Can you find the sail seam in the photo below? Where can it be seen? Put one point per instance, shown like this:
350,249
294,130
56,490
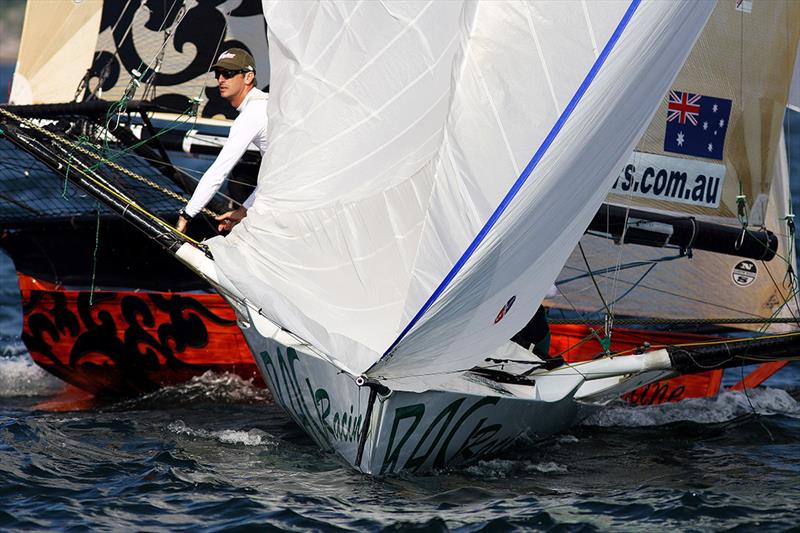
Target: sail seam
589,26
538,155
346,90
540,52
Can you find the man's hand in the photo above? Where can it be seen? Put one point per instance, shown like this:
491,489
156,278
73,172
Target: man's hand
181,224
231,218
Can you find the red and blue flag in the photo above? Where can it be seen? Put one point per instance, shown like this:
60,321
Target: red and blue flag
696,124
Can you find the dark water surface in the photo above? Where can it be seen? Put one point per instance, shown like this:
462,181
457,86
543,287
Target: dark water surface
216,455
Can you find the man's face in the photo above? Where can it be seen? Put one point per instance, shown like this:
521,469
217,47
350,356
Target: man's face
231,83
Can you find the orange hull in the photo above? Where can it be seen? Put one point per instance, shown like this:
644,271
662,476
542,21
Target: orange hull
130,342
126,343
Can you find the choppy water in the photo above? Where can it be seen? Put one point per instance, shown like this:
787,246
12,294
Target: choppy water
215,454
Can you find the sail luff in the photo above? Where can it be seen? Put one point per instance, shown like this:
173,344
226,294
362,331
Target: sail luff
523,177
516,264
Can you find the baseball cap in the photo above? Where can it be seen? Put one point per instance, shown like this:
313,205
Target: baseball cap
235,59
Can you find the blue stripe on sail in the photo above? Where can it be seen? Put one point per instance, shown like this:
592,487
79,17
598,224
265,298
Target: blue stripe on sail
525,173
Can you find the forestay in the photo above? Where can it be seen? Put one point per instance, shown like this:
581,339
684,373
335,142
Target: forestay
396,131
713,143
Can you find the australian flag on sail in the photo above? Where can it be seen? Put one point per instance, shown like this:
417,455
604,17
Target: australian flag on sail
696,124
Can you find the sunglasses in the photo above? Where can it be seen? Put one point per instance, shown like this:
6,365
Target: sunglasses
227,74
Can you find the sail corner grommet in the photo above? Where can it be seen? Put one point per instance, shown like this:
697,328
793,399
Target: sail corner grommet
364,381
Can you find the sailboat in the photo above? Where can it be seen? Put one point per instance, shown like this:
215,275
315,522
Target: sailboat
105,308
432,166
380,309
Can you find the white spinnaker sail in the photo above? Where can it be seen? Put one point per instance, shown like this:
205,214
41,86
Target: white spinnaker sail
55,50
744,58
397,129
500,287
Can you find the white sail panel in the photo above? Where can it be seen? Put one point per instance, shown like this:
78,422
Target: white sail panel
367,86
524,63
390,120
359,97
502,284
56,48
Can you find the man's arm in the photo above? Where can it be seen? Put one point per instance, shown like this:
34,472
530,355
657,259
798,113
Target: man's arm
244,130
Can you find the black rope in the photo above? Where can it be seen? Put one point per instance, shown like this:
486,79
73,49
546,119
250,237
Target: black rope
591,275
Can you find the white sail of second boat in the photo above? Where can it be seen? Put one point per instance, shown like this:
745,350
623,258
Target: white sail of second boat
712,152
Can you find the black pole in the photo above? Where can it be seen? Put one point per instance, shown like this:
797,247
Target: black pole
90,108
634,226
694,359
161,233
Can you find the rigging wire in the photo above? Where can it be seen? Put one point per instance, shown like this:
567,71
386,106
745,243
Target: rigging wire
778,288
101,159
159,56
631,288
187,171
94,255
84,83
594,281
120,106
692,299
626,266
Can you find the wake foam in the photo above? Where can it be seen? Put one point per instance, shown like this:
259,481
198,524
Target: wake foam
11,347
502,468
20,376
208,387
252,437
220,387
722,408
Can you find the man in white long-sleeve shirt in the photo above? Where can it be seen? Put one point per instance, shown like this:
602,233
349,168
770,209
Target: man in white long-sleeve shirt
235,73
